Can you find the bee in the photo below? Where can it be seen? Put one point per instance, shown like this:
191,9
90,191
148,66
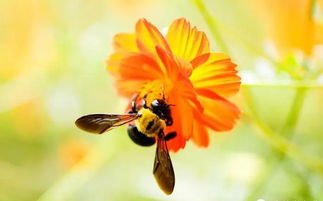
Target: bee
146,126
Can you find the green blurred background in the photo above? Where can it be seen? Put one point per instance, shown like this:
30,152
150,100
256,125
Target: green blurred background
52,71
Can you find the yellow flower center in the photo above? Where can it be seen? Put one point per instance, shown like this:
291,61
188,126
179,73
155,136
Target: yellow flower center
156,89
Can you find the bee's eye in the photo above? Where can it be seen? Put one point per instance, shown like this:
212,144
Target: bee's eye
155,104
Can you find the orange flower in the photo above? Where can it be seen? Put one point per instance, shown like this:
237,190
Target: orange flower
291,23
181,67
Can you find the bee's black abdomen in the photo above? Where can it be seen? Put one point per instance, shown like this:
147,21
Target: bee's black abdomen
138,137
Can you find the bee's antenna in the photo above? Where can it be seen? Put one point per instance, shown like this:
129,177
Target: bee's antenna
163,91
133,103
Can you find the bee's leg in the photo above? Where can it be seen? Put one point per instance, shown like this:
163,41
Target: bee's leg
170,136
138,137
133,104
144,101
169,121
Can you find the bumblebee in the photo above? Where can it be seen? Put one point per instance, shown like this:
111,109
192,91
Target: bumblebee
139,133
146,126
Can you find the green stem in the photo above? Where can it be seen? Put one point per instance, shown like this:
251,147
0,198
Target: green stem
287,131
311,10
293,116
212,24
279,142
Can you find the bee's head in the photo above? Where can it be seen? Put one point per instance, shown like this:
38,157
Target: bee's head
162,109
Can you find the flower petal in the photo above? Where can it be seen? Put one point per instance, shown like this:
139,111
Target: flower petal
200,134
176,143
175,67
183,114
133,66
184,100
219,114
128,88
168,62
217,74
125,42
182,126
132,71
148,37
186,42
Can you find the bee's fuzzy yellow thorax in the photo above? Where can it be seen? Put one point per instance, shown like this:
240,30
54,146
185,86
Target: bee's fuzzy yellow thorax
149,123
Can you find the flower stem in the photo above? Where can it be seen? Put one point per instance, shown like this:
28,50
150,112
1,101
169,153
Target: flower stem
212,24
293,115
279,142
311,10
288,131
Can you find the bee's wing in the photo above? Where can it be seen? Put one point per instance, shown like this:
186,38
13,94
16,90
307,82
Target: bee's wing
163,168
99,123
